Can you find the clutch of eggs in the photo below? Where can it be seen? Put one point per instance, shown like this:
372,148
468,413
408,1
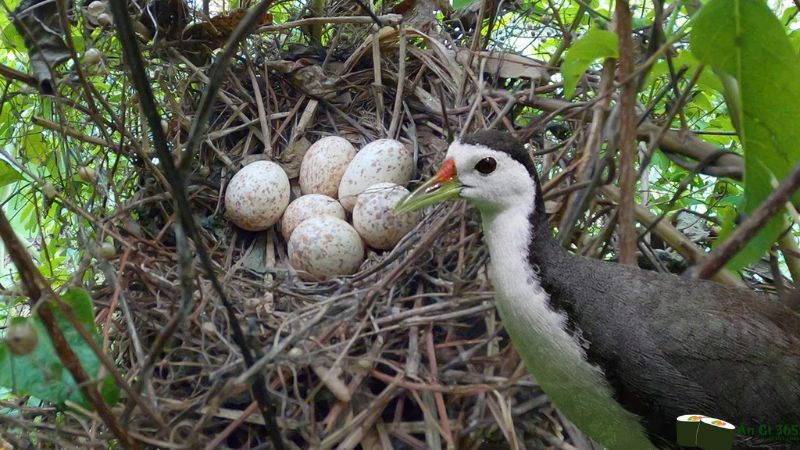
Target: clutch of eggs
334,180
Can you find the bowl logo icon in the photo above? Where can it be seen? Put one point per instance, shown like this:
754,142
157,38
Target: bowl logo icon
708,433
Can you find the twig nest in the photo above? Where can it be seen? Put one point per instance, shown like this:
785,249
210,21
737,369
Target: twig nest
325,247
324,165
375,219
257,196
384,160
308,206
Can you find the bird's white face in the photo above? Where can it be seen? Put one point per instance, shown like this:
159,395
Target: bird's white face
491,180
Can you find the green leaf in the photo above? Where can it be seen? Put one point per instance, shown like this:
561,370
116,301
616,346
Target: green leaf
788,14
794,38
34,146
661,161
749,50
40,372
458,4
595,44
78,43
707,80
12,38
639,23
731,200
8,174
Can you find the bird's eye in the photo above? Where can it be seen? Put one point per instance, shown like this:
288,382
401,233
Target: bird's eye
486,165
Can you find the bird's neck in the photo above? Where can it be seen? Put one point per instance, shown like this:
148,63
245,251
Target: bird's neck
520,293
521,241
539,331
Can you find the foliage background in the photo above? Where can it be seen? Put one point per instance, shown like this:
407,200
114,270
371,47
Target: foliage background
85,188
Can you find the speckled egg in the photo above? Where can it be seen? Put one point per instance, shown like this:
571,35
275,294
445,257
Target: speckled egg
325,247
375,219
257,196
324,164
306,207
384,160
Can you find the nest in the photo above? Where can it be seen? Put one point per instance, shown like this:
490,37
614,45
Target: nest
408,350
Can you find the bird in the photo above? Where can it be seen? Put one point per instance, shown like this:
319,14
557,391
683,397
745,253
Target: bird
620,351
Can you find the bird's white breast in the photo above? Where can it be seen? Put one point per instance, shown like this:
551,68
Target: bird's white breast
555,357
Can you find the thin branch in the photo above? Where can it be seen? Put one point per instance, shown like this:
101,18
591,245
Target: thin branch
627,136
384,20
555,59
368,10
14,74
71,132
789,247
397,114
590,160
176,180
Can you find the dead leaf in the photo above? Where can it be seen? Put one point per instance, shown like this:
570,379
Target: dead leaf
202,38
292,156
312,80
164,19
506,65
37,21
552,207
428,140
214,32
427,99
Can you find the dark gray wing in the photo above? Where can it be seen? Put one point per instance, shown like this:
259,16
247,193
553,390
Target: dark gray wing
672,346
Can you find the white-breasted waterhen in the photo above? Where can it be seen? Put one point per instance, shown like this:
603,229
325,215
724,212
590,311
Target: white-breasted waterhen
621,351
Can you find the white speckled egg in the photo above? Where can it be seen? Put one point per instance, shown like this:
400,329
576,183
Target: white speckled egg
384,160
306,207
324,247
375,219
324,164
257,196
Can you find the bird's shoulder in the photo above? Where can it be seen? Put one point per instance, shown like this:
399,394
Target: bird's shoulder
674,305
678,342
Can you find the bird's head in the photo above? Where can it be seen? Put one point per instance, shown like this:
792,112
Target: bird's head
490,169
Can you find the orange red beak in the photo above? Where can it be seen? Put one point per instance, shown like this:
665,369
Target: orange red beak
443,186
